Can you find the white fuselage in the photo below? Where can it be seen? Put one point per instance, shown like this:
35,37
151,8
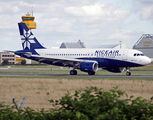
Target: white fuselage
127,55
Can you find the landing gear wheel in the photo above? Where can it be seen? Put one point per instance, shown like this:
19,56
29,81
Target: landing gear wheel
91,73
73,72
128,73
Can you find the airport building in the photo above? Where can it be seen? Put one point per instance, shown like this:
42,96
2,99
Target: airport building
29,21
145,45
6,55
11,57
114,46
79,44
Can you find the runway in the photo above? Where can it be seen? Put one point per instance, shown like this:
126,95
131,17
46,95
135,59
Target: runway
66,75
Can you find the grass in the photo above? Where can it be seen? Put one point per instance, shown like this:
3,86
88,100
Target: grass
38,90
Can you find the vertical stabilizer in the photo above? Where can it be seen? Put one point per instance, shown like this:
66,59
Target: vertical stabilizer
29,42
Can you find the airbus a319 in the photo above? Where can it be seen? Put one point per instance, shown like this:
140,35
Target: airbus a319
86,60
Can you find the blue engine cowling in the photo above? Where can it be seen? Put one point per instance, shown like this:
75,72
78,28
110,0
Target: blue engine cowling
115,69
89,66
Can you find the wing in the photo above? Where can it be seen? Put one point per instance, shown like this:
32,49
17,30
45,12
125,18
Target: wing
64,61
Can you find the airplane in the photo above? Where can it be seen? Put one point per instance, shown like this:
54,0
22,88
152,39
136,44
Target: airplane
86,60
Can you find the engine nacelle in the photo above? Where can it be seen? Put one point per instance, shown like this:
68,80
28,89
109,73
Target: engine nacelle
89,66
115,69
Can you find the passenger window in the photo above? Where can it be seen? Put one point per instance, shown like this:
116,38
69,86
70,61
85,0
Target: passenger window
138,54
135,54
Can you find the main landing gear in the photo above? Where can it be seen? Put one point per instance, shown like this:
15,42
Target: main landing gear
91,73
128,73
73,72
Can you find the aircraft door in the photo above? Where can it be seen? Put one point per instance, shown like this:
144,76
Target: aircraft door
124,56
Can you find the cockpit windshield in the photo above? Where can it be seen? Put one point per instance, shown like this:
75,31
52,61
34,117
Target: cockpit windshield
138,54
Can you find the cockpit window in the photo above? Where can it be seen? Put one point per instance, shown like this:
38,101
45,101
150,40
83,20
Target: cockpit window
138,54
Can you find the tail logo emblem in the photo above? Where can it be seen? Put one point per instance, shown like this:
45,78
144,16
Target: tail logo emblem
27,38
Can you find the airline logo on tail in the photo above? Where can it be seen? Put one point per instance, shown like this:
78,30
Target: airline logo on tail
29,42
27,38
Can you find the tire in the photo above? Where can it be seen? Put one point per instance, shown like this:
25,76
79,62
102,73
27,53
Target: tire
128,73
91,73
73,72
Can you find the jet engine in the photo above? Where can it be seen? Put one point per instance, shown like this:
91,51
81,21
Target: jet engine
115,69
89,66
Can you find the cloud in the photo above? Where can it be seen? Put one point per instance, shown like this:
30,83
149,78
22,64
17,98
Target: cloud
71,20
99,11
148,2
8,7
144,8
123,34
147,13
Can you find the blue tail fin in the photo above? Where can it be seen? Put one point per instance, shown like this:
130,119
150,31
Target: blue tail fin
29,42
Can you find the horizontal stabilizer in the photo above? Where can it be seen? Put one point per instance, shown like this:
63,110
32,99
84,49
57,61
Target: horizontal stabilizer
28,54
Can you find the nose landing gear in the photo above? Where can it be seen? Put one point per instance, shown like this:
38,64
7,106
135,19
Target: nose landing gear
128,73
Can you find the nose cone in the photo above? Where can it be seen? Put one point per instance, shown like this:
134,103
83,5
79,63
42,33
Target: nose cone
146,61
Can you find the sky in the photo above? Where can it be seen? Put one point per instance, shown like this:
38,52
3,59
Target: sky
94,22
